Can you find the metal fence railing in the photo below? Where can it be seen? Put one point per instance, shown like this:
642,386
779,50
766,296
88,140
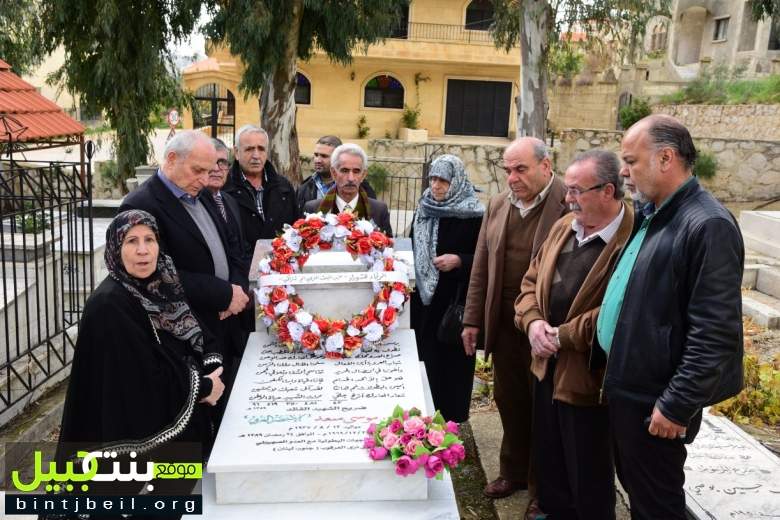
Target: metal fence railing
47,274
441,32
399,184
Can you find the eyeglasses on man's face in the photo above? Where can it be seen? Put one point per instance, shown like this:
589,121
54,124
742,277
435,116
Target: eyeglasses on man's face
576,191
223,164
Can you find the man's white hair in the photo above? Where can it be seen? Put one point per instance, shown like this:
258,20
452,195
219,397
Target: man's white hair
183,142
249,129
348,148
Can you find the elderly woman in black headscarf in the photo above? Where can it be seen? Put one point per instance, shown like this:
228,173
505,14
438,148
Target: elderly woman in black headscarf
444,236
144,370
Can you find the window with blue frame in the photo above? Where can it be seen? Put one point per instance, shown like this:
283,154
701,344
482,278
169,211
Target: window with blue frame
302,90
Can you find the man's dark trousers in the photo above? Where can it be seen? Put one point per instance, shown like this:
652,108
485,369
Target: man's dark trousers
650,468
575,475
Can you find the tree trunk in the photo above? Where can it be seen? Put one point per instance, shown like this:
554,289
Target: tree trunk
532,103
277,104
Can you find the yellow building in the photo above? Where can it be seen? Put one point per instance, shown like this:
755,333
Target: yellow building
441,58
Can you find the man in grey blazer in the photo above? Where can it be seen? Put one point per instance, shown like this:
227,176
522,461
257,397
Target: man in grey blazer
348,167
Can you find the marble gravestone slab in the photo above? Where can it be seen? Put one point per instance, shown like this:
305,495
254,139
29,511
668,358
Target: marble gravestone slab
730,475
294,425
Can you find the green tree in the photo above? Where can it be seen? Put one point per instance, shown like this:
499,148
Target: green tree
20,27
116,57
762,8
270,36
536,26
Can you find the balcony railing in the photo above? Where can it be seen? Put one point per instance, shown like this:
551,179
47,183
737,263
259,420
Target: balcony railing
441,32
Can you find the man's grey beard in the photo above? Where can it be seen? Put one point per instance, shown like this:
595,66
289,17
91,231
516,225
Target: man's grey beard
638,196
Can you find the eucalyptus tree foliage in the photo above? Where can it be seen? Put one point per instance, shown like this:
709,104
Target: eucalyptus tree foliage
20,27
536,27
764,8
117,59
270,36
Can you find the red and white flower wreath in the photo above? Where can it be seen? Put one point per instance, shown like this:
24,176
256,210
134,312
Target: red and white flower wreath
282,308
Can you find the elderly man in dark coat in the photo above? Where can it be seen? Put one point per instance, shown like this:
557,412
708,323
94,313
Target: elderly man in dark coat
194,234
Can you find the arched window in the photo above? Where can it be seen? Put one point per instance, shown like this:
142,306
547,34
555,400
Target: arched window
302,90
479,15
384,92
658,42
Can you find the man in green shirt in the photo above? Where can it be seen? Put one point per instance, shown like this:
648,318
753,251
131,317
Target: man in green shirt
671,319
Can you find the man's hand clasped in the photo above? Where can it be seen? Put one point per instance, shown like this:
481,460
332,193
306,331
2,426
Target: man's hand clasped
543,338
238,303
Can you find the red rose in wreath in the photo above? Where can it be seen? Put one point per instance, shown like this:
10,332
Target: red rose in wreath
310,340
352,342
278,294
388,316
364,246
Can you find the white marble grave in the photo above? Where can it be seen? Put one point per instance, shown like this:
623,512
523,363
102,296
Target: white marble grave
294,426
730,475
440,504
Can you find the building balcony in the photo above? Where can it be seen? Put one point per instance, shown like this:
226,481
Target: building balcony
441,32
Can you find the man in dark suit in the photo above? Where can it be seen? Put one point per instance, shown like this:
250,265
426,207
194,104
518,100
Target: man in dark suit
266,200
193,233
348,168
227,204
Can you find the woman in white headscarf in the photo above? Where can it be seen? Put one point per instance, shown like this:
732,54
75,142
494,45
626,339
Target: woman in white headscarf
444,235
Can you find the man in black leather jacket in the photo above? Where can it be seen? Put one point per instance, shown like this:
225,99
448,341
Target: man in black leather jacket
671,319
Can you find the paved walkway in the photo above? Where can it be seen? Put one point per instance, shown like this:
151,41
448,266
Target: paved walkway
486,427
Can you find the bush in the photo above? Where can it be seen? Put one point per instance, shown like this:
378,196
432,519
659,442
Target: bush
706,165
32,222
410,117
723,86
362,128
565,61
759,401
109,172
378,177
630,114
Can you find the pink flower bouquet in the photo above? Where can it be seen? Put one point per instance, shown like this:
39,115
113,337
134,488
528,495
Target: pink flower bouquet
413,442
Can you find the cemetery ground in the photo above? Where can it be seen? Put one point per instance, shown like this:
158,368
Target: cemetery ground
482,433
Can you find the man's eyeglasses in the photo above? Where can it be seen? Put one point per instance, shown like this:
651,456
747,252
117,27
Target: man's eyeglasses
576,192
223,163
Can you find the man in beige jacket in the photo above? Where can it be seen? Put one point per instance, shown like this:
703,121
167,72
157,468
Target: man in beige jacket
557,307
514,226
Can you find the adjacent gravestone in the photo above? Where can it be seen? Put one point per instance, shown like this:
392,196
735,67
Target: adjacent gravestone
730,475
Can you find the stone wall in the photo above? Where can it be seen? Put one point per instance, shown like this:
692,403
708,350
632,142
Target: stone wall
481,161
583,106
747,170
103,188
756,122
